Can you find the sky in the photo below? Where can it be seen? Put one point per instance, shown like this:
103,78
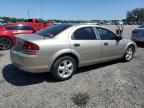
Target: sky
69,9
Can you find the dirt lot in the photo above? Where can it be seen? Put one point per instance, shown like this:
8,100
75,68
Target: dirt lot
109,85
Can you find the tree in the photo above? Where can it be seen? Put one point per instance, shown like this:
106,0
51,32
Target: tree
136,15
9,19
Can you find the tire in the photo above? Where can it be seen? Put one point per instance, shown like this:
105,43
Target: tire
63,68
129,53
5,43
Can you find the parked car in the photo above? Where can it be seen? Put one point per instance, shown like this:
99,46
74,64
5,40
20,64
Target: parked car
138,34
2,22
8,32
60,49
37,23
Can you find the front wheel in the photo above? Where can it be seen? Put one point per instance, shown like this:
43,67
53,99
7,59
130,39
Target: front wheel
128,56
5,43
64,68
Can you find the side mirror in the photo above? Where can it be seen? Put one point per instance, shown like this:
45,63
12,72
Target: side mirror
119,32
34,31
118,38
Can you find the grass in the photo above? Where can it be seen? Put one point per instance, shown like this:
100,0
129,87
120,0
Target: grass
80,99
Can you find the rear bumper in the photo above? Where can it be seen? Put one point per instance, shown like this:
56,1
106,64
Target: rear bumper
29,63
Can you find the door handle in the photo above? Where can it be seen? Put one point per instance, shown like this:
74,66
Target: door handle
106,44
76,45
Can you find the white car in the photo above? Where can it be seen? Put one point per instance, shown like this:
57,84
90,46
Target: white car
60,49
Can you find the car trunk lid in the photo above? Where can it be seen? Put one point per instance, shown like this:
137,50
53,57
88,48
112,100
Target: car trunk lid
21,39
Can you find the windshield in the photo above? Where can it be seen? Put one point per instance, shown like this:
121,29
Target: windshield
53,30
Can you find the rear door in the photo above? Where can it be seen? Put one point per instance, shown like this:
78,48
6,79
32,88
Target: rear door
85,43
111,48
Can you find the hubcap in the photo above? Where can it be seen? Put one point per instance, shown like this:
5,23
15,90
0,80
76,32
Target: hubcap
5,43
65,68
129,53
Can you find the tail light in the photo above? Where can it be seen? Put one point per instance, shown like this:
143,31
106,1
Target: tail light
30,48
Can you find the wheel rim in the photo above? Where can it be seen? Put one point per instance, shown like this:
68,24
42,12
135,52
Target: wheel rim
65,68
5,43
129,53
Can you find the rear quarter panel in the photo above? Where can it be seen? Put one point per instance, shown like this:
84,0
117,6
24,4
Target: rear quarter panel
50,49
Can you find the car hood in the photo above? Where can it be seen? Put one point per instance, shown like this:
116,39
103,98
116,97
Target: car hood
138,30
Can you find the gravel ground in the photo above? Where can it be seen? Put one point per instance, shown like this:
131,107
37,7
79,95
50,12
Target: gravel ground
110,85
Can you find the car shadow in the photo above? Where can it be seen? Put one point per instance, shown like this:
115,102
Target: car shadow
17,77
96,66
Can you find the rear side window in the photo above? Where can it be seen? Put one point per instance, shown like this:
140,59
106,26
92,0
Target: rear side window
11,28
85,33
106,34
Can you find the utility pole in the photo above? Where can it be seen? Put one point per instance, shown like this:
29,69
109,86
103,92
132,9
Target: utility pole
42,16
28,13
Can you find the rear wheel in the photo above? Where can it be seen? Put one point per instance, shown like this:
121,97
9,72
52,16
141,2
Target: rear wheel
64,68
5,43
129,54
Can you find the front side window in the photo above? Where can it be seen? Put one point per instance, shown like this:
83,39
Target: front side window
53,30
26,28
85,33
106,34
11,28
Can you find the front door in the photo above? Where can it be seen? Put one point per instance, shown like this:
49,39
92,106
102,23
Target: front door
85,43
111,47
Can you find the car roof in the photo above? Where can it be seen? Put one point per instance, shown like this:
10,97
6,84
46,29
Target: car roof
85,25
88,25
17,24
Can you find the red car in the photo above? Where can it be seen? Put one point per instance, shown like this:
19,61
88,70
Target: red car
38,23
8,32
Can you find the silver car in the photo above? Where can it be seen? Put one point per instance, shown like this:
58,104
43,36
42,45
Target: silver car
60,49
138,34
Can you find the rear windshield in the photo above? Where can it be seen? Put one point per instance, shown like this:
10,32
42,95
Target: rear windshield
142,26
53,30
